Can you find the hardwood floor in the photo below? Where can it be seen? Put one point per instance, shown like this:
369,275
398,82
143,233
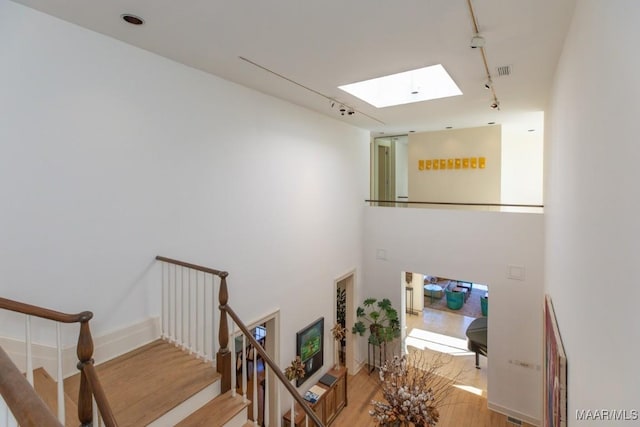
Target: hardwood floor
433,331
462,408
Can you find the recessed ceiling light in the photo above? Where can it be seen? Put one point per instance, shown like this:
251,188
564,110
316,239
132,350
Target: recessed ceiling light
491,123
422,84
411,131
532,130
449,127
132,19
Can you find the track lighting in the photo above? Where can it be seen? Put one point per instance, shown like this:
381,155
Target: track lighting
477,41
488,84
495,105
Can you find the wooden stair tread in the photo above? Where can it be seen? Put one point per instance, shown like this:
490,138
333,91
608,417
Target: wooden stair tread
217,412
146,383
47,389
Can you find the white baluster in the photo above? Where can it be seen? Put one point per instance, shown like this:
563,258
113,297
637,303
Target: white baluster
27,332
234,369
292,422
265,397
244,368
197,318
163,308
255,385
61,415
190,340
180,312
175,304
205,326
94,415
278,400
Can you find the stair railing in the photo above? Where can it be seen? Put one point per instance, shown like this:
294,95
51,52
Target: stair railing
90,387
188,320
187,315
20,404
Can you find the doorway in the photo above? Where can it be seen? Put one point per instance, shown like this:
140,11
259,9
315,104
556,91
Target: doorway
344,298
432,327
261,387
389,168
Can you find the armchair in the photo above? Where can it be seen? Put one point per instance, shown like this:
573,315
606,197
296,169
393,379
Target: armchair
455,300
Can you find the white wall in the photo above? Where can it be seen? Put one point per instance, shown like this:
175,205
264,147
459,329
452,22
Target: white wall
457,185
110,155
522,162
480,246
592,205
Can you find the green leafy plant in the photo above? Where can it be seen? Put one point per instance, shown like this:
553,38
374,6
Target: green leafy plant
384,324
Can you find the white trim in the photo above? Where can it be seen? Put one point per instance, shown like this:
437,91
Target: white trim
106,347
189,406
515,414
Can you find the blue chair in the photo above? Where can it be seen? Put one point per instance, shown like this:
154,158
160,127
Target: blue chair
484,305
455,300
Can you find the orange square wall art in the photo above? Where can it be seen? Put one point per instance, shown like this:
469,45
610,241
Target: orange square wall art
449,163
481,162
436,164
465,163
427,164
458,163
443,163
421,165
474,162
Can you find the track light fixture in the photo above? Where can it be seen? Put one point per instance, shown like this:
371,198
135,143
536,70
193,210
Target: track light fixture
495,105
488,84
477,41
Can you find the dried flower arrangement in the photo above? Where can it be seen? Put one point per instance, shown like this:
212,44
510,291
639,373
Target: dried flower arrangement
295,371
338,332
413,387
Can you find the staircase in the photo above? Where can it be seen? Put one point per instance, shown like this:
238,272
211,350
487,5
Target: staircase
156,385
184,378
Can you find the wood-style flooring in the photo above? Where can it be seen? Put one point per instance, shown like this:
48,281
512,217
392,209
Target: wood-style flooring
433,332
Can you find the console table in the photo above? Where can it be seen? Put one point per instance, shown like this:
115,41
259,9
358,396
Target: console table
328,405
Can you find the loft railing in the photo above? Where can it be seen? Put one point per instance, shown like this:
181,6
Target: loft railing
402,203
181,309
90,387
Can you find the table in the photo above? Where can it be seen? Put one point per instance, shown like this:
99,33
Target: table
477,338
433,291
409,300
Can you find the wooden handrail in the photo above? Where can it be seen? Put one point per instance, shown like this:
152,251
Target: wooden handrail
32,310
88,385
98,393
192,266
25,404
276,370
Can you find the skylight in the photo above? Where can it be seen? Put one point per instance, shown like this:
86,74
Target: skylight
422,84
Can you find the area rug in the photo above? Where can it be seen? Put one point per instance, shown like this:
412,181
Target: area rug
470,308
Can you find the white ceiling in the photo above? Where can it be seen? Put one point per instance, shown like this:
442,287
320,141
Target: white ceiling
324,44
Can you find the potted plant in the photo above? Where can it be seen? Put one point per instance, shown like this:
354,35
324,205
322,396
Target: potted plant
382,318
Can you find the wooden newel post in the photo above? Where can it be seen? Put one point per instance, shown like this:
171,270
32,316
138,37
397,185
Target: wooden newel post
223,358
85,354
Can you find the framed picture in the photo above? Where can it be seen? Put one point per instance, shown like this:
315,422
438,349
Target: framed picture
474,162
427,164
436,164
421,165
555,371
310,348
465,163
449,163
458,163
481,162
443,163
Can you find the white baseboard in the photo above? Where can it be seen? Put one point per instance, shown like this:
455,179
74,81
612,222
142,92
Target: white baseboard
515,414
106,347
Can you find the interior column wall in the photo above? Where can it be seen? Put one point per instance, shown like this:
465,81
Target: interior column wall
592,228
